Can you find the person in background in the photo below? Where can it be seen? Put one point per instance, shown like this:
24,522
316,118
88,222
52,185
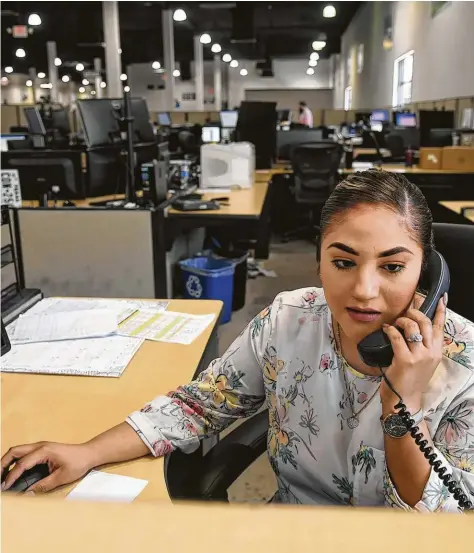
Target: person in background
306,115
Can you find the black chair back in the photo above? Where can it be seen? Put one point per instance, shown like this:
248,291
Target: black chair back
395,145
316,164
456,245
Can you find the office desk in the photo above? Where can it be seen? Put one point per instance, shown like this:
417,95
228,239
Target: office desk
357,152
456,207
47,526
73,409
415,170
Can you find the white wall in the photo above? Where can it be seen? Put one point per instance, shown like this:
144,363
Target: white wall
443,45
288,74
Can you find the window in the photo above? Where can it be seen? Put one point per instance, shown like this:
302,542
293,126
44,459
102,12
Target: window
348,98
402,79
360,58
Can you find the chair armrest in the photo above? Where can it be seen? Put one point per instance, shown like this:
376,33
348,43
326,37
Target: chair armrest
209,477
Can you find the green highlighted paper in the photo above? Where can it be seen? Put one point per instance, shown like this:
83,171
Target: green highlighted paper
165,326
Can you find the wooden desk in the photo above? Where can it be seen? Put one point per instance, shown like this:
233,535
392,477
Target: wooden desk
370,152
456,207
46,526
73,409
243,203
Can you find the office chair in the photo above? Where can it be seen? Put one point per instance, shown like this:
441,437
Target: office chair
315,172
207,477
396,146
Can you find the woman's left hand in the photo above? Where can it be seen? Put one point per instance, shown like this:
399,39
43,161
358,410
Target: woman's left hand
413,363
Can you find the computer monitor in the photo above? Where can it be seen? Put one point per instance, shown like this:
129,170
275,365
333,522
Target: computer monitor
257,124
283,115
405,120
164,119
6,138
60,121
433,119
229,119
376,126
34,120
438,138
211,134
379,115
101,121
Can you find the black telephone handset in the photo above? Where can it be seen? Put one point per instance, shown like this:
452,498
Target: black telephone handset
375,349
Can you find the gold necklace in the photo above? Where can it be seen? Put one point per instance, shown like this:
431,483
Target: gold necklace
353,421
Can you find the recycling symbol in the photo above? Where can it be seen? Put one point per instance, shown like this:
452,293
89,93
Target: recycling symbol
194,287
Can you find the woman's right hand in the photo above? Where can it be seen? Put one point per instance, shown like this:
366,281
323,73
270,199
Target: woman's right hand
66,463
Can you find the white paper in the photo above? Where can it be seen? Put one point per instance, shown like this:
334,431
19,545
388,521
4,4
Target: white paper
67,325
102,486
165,326
107,356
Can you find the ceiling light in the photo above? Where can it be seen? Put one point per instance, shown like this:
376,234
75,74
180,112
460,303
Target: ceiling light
9,69
126,88
41,75
29,82
176,73
314,56
226,58
216,48
103,84
57,62
34,20
93,92
20,53
46,85
80,67
205,39
85,82
319,44
66,78
156,65
244,72
310,71
329,11
234,63
123,77
82,89
179,15
312,63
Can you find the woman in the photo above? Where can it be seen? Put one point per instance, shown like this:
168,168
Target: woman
299,357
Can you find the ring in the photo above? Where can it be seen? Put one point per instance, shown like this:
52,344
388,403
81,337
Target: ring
415,338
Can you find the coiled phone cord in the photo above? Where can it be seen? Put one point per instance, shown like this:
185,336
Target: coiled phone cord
427,450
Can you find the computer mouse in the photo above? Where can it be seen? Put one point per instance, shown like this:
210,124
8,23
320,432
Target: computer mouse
29,477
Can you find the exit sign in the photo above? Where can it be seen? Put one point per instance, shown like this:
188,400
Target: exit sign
20,31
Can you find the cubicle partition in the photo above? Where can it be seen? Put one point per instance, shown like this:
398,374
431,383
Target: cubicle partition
96,252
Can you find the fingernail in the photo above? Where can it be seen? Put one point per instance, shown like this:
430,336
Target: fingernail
445,299
31,492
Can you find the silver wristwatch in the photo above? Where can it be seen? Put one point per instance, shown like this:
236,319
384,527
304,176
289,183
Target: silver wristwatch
394,426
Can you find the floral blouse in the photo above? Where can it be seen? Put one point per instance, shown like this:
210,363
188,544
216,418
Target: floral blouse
286,359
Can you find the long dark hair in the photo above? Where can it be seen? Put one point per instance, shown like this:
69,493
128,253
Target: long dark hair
391,190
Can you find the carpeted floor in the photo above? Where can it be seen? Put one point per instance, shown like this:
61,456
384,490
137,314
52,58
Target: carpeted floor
296,267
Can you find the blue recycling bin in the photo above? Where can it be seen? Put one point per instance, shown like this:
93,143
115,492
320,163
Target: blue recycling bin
209,278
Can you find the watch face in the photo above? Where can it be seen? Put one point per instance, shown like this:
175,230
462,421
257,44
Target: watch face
395,427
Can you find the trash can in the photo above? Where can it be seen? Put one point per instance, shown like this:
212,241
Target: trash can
210,278
239,257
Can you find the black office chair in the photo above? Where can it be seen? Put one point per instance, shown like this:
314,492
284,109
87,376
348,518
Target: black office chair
396,146
315,172
208,477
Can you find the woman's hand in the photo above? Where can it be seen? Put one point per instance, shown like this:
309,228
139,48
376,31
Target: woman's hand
66,463
414,363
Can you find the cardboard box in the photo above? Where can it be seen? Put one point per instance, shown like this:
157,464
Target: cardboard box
430,158
458,158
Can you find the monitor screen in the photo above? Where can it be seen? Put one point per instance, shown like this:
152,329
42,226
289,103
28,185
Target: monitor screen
229,119
164,119
211,134
405,120
379,115
5,138
376,126
34,120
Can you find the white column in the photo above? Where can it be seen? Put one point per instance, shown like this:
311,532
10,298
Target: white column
98,77
168,54
217,83
33,79
113,60
199,73
52,69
